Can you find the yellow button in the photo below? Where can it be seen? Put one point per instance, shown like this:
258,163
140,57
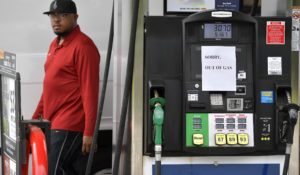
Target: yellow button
220,139
231,139
243,139
198,139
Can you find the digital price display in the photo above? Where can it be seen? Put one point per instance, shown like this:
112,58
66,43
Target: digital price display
217,31
197,126
219,120
197,120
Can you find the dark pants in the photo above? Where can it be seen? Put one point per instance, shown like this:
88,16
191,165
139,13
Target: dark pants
65,156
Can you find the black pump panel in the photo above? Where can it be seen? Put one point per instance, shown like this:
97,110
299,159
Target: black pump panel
223,75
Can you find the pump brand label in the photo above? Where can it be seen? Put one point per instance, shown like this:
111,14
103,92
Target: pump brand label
275,32
221,14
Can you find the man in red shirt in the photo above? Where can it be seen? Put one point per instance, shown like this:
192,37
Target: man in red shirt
70,91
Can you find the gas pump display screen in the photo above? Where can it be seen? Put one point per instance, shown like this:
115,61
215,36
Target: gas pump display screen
217,31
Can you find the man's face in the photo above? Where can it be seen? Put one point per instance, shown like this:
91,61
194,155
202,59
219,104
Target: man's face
63,23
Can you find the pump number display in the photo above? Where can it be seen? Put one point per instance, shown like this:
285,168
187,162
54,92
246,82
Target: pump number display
217,31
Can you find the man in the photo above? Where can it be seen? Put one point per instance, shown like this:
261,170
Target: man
70,91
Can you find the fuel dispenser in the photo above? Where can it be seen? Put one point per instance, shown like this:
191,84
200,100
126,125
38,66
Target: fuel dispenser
218,85
226,81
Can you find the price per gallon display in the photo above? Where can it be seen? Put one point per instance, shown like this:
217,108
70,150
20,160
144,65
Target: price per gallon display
217,31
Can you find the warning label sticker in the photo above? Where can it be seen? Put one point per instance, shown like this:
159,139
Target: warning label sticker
274,66
275,32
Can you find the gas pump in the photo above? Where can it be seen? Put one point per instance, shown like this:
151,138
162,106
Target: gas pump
227,82
218,83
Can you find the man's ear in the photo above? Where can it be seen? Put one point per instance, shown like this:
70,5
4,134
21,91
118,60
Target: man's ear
75,17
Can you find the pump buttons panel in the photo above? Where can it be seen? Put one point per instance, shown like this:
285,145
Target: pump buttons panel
198,139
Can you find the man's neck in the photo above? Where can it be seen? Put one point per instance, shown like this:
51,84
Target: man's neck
60,40
63,37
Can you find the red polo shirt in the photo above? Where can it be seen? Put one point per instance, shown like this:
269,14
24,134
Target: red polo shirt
71,84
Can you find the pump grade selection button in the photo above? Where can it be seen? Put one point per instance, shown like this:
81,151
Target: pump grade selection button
231,139
198,139
220,139
243,139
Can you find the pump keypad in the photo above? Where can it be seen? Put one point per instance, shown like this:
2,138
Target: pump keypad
219,130
232,130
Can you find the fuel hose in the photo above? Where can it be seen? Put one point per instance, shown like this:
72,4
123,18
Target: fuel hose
102,95
127,89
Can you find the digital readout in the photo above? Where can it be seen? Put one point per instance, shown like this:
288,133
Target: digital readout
197,126
197,120
230,126
242,120
217,31
219,126
242,126
230,120
219,120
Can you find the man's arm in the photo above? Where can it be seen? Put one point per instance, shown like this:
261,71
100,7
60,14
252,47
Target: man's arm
87,65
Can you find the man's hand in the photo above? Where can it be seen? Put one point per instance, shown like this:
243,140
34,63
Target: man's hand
87,144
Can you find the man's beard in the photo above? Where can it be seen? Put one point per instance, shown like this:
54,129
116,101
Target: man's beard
62,34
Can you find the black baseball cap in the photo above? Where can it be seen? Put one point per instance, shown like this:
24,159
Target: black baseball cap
62,6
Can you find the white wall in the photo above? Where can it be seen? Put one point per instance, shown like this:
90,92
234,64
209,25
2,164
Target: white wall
24,30
155,8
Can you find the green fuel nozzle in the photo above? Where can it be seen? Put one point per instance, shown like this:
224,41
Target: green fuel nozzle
158,116
158,120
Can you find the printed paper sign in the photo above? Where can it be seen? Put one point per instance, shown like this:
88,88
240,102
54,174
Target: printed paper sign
275,32
189,5
218,68
274,66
